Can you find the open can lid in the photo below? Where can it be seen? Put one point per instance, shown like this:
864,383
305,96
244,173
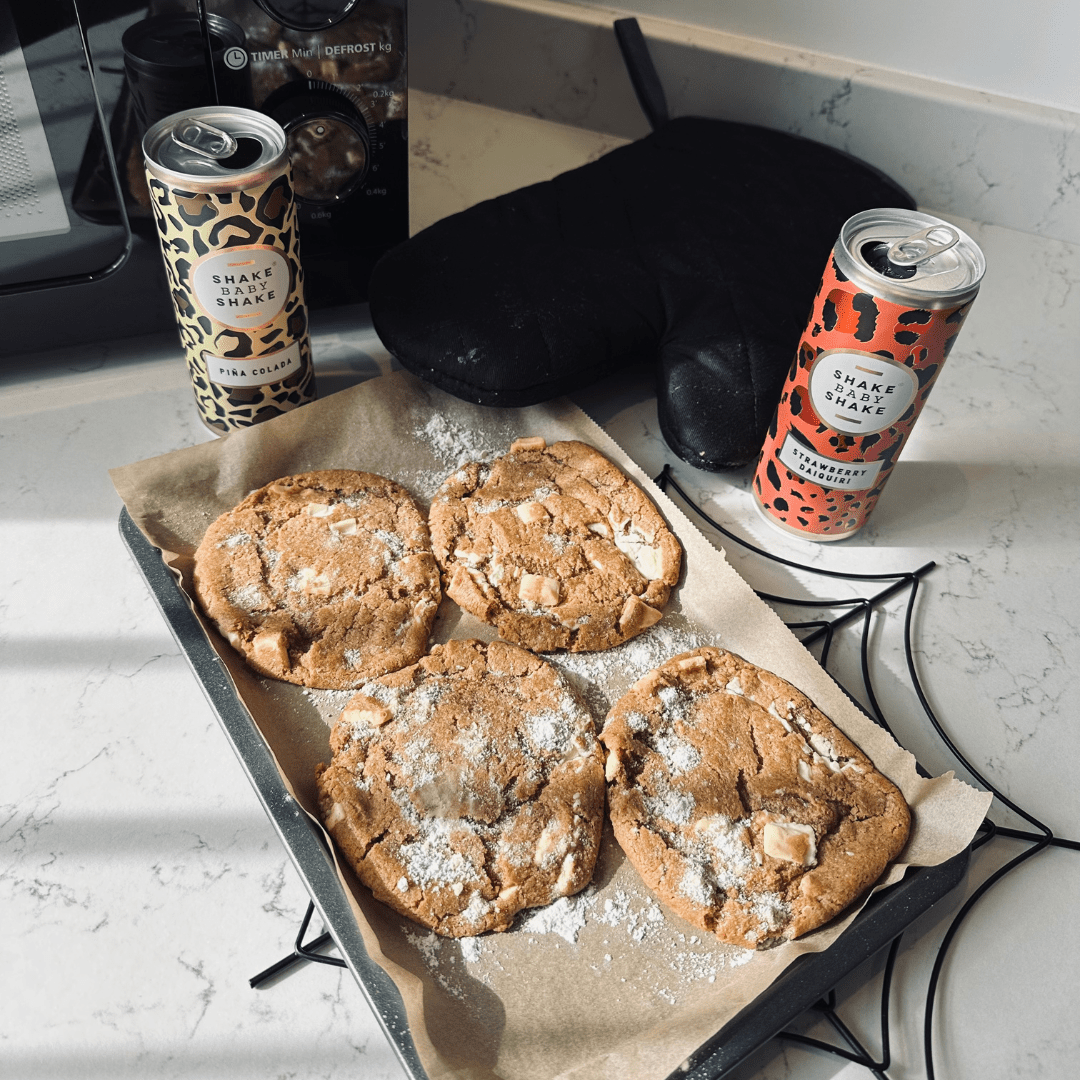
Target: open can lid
216,148
908,257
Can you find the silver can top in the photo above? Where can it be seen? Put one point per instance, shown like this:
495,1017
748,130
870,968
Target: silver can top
215,148
907,257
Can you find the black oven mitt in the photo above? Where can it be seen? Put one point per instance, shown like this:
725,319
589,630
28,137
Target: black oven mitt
699,246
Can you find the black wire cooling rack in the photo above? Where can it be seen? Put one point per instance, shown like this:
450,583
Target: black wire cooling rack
814,632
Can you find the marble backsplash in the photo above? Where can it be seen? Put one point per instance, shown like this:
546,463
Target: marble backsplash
959,152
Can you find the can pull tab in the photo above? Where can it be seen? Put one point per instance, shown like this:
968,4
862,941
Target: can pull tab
204,140
921,246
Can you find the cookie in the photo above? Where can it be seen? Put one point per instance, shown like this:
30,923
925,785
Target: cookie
466,787
554,546
742,806
322,579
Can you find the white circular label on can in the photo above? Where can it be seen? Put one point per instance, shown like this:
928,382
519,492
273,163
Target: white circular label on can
242,287
860,393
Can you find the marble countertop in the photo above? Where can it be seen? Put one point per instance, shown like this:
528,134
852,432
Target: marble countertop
142,884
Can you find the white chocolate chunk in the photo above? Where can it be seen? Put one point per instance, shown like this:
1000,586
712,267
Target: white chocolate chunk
373,715
566,874
532,512
344,527
692,663
270,650
403,884
318,510
611,766
783,720
790,842
551,839
312,583
538,589
601,528
637,615
530,442
336,816
457,888
647,560
648,682
471,558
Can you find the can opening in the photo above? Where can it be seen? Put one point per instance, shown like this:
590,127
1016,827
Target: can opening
247,152
876,255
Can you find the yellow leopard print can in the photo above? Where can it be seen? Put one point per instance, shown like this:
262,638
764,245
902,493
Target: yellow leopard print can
222,196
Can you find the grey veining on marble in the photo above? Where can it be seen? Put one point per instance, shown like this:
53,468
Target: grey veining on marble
964,152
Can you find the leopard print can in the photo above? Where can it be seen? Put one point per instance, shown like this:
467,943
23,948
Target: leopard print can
895,292
222,197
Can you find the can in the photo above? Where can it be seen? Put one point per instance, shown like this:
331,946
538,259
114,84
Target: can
222,197
895,292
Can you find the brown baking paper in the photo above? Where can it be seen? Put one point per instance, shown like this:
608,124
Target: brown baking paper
604,984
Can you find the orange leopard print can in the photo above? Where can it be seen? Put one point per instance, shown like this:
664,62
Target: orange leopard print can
895,292
222,196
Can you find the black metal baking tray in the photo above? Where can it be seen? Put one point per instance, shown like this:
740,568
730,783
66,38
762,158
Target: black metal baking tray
804,983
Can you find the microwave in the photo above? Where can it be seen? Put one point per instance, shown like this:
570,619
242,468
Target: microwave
82,80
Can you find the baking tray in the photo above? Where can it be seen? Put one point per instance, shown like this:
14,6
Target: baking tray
805,982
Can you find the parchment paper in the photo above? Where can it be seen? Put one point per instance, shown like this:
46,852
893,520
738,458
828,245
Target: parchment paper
606,984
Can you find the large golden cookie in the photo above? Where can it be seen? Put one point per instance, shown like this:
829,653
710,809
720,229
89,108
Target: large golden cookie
741,805
322,579
554,546
466,787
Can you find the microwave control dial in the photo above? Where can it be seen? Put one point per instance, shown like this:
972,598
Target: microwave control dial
329,139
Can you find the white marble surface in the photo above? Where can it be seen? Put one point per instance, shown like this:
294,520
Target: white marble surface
142,885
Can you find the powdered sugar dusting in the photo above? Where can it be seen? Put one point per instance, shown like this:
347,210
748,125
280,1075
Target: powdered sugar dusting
456,444
566,917
328,703
671,805
470,949
555,730
395,546
602,677
432,860
248,598
679,755
621,929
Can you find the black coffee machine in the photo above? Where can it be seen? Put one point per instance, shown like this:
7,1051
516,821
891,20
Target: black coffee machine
333,73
